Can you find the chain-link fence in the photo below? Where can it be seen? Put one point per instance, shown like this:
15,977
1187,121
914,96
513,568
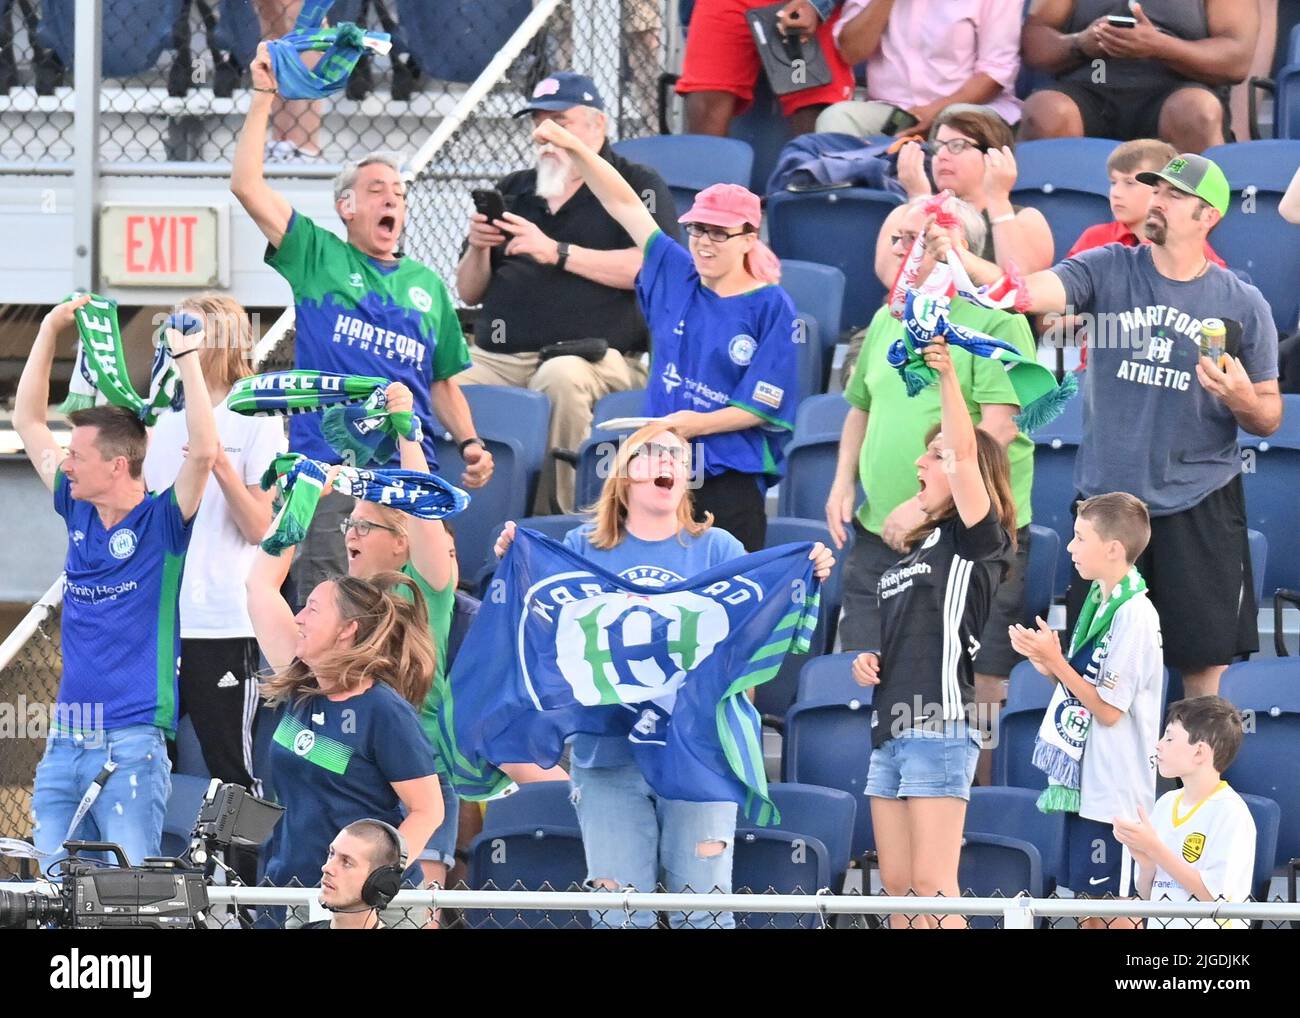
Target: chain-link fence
571,908
175,83
30,681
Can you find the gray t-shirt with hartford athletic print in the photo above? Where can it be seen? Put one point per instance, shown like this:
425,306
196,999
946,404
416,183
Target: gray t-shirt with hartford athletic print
1149,427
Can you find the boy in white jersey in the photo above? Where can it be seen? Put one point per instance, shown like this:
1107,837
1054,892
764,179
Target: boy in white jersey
1199,842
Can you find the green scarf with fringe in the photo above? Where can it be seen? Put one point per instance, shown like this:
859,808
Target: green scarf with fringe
100,372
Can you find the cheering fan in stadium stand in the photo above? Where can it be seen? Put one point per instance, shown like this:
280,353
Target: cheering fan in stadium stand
643,530
934,604
725,337
350,672
363,308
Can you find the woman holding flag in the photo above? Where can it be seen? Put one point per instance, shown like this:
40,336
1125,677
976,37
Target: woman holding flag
643,529
934,604
725,337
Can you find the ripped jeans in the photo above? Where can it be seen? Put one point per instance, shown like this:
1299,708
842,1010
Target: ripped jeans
130,808
633,838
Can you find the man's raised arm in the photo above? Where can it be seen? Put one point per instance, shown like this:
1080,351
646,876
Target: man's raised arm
31,403
268,208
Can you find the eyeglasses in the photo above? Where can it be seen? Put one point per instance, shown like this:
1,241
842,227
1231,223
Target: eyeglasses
714,233
955,146
907,238
679,454
363,527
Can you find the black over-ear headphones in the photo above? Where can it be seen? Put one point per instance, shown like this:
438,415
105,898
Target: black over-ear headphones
382,885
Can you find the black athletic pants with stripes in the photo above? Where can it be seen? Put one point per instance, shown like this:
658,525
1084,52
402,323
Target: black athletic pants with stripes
218,688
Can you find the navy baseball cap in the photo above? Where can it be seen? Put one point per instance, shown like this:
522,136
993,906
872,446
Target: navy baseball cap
561,91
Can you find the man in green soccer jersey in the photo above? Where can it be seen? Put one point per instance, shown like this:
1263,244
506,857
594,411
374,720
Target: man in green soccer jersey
362,309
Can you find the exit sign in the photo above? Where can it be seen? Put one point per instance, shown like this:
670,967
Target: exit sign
164,245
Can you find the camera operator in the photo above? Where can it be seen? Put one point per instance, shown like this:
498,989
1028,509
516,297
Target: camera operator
361,874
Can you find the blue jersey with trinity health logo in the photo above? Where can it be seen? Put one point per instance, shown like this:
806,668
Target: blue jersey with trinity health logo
121,606
359,316
711,352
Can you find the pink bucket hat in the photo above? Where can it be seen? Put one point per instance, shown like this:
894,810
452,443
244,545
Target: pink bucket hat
729,206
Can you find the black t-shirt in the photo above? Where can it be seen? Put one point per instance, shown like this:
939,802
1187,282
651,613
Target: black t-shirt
529,305
934,604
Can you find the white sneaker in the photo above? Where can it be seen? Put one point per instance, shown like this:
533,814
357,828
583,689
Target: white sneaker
287,152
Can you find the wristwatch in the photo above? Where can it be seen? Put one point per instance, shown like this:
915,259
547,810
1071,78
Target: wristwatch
562,248
470,441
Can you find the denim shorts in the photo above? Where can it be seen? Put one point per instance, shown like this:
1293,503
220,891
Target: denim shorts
925,765
442,843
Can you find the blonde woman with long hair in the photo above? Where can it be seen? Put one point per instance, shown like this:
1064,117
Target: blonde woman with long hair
643,530
349,674
218,683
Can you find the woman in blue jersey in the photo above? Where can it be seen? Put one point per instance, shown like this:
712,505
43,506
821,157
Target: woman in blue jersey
934,604
724,337
350,672
643,530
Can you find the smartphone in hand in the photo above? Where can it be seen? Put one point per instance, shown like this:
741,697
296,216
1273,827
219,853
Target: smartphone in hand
1121,21
490,204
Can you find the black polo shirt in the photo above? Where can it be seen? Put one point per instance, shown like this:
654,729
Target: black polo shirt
529,305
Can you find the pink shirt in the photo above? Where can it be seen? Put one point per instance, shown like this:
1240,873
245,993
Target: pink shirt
930,48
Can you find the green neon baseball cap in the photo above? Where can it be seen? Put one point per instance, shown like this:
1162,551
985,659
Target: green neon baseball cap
1195,175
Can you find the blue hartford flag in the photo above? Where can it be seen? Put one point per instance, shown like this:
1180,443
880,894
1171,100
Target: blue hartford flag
562,647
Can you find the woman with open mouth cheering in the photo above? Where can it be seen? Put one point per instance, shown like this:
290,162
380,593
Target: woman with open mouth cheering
725,360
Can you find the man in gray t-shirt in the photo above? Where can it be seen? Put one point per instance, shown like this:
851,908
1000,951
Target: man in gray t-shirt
1160,419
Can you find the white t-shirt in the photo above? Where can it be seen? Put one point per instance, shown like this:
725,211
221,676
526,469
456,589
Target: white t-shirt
214,605
1119,760
1217,836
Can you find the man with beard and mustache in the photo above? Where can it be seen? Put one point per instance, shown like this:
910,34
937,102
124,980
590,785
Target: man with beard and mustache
558,268
363,308
1161,418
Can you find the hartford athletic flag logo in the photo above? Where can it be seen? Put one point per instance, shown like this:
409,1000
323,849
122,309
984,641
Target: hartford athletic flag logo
617,647
1072,722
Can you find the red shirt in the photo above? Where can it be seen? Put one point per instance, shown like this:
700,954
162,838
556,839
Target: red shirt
1117,233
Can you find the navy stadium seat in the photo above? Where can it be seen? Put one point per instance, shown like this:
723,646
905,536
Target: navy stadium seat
1271,477
995,866
1065,179
1267,815
507,411
835,228
554,527
690,162
1270,690
598,449
810,462
817,290
828,743
821,413
1040,583
773,697
463,615
1055,446
532,858
818,820
530,840
504,497
1028,694
135,33
1014,813
1253,236
829,678
454,40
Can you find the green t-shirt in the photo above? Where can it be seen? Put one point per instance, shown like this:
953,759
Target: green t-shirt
442,603
898,423
357,315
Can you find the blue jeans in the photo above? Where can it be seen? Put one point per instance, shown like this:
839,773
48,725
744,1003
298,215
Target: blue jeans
631,837
130,808
921,764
